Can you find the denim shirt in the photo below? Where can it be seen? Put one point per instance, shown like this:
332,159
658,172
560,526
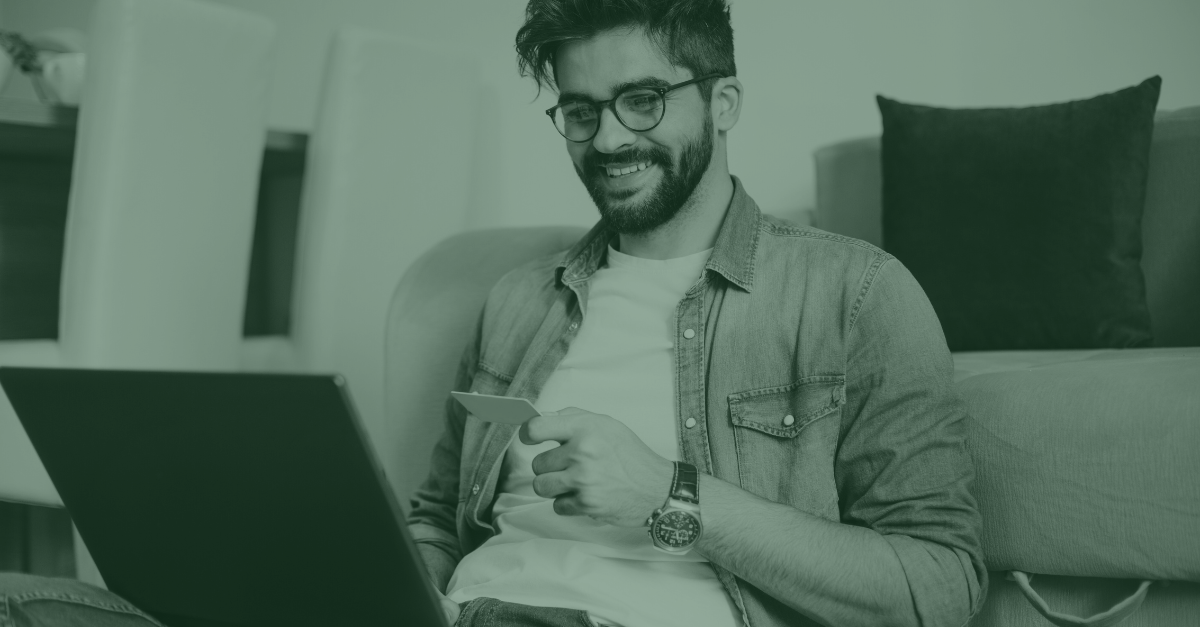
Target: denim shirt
817,376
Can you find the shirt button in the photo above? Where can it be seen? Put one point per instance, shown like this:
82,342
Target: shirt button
475,489
788,420
691,422
574,325
689,334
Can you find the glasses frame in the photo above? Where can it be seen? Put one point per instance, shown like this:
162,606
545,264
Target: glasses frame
611,104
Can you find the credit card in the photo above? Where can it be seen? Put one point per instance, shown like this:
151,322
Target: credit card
506,409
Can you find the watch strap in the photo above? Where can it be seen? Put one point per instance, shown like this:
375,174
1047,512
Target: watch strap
684,486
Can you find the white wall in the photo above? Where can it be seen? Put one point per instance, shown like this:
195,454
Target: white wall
811,70
523,176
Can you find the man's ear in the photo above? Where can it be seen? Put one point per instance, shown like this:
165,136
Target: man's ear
726,102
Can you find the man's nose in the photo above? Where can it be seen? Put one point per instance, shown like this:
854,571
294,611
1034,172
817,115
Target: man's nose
612,135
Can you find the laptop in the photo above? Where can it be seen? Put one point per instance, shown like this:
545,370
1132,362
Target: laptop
227,499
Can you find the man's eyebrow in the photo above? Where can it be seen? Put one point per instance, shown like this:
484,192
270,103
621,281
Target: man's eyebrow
645,81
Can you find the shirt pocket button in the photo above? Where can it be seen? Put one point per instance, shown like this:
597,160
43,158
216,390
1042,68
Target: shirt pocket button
788,420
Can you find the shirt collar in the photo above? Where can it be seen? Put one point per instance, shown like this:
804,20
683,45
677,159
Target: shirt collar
732,256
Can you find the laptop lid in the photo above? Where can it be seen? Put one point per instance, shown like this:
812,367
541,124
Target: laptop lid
213,499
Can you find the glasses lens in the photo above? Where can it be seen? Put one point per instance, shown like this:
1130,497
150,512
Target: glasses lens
640,110
576,120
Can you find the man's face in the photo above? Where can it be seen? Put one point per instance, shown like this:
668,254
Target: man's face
678,151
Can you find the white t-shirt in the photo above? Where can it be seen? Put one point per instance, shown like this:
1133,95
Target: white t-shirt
620,364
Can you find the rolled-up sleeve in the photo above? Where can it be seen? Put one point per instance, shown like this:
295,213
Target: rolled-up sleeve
902,467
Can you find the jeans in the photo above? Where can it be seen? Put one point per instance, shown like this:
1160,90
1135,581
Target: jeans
32,601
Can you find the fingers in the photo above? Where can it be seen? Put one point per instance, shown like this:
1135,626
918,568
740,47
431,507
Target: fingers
568,505
552,485
558,486
555,459
558,428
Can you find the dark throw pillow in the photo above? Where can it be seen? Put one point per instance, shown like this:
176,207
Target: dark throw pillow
1023,225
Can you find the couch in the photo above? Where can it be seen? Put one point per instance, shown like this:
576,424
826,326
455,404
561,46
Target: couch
1086,460
1102,416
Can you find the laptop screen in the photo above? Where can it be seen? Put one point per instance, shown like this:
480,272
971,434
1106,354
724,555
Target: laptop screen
226,498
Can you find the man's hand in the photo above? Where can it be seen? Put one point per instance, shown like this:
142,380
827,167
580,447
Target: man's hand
601,468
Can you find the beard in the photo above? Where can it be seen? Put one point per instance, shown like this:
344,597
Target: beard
666,200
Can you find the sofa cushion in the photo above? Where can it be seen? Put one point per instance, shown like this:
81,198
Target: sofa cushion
849,187
1086,461
1023,225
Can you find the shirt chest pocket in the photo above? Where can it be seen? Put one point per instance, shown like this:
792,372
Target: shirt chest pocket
786,438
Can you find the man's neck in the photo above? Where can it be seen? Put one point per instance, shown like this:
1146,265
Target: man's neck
693,229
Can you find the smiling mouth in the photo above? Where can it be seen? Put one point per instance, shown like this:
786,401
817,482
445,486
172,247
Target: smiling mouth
626,171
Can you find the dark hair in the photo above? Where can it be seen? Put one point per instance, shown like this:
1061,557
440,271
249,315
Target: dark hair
691,34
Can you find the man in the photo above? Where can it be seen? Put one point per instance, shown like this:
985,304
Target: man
746,422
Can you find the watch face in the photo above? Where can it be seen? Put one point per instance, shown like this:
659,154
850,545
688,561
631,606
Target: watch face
676,529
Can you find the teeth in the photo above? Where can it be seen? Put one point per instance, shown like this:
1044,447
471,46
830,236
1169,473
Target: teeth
623,171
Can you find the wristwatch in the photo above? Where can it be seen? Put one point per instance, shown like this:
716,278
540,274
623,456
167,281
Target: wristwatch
675,527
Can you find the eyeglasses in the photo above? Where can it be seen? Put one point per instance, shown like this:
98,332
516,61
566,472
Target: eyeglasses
638,109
